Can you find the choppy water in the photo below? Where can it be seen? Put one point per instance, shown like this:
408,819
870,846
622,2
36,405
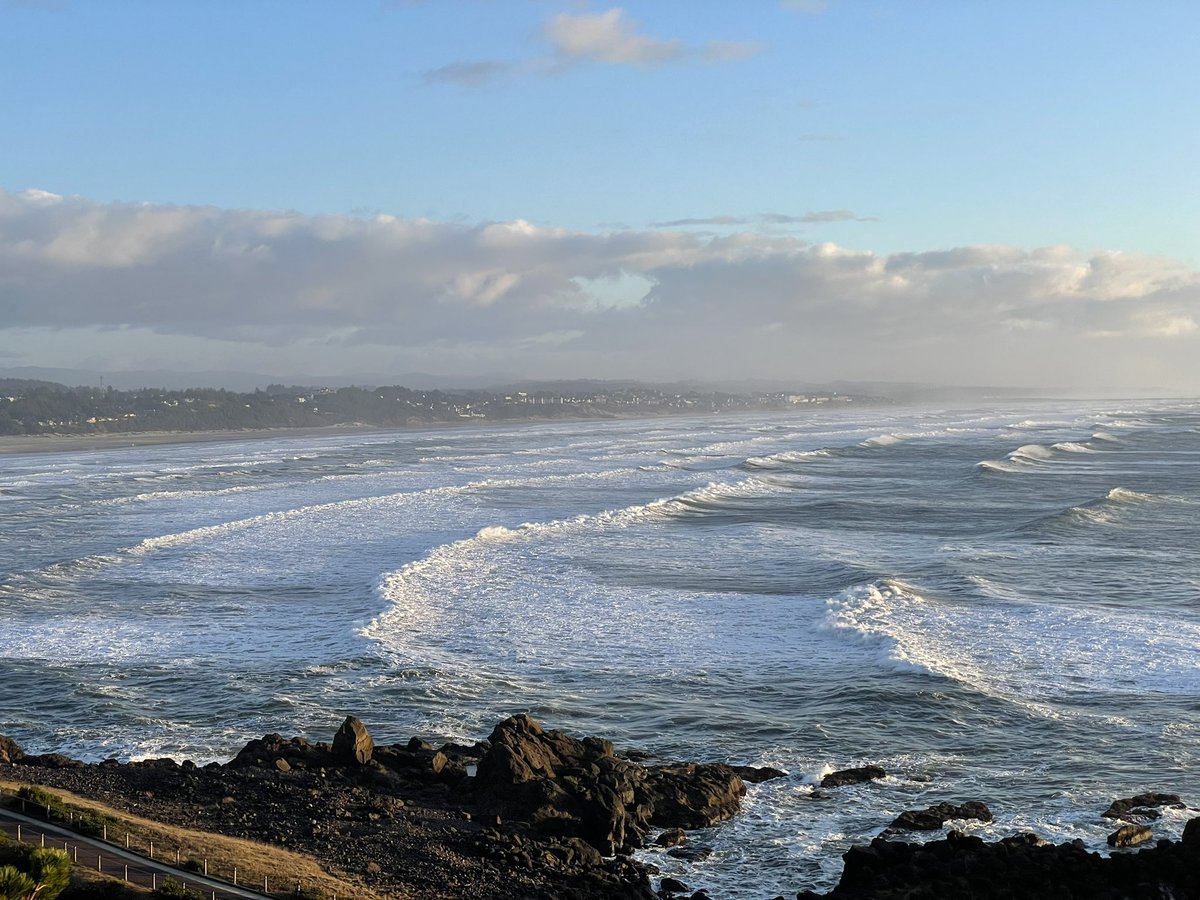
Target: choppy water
997,605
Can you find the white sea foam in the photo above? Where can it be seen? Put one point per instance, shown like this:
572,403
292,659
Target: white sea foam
1042,656
1072,447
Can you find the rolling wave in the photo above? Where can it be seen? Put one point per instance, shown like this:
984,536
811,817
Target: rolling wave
1101,511
1049,659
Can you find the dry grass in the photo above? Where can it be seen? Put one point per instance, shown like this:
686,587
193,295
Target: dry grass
284,869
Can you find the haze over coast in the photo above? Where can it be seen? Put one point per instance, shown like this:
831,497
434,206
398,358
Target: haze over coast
804,192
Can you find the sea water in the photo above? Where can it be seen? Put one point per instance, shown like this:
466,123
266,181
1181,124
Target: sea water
997,604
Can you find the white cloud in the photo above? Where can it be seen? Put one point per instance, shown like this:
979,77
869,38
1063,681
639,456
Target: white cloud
607,38
337,292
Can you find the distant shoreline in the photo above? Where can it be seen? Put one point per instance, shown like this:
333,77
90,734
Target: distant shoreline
14,445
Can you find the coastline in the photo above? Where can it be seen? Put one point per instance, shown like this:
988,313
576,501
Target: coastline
15,445
536,813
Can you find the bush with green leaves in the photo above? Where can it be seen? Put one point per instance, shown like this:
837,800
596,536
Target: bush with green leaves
33,873
40,798
15,884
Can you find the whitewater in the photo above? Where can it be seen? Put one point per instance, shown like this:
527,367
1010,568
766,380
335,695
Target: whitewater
999,604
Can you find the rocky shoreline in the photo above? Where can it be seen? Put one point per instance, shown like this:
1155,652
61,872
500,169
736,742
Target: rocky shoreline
537,813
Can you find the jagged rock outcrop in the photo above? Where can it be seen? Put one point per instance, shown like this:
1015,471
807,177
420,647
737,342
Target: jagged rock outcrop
1142,806
569,787
9,751
1023,866
934,817
353,743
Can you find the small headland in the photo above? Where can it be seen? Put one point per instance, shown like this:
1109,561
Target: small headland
536,813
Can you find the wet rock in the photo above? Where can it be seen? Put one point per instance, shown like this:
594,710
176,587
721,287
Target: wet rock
1129,835
672,837
758,774
673,886
934,817
9,751
693,795
690,854
1023,866
1141,805
853,776
566,786
352,744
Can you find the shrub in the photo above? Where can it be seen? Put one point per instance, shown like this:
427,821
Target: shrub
15,884
51,869
175,890
39,797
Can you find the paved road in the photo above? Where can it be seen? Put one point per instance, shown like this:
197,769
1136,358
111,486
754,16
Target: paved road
114,861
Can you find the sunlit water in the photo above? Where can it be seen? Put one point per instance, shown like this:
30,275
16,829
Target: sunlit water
996,605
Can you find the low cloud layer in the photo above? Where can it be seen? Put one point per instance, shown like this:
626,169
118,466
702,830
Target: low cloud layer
821,217
607,38
334,293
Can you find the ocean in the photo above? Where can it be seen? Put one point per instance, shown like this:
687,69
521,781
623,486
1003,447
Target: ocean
997,604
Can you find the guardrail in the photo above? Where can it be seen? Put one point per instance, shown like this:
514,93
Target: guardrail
136,857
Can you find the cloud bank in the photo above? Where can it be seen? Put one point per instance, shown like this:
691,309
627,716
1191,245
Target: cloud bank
338,293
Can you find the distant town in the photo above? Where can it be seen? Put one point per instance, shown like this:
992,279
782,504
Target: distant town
40,407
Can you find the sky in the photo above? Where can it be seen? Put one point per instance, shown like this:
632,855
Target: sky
960,193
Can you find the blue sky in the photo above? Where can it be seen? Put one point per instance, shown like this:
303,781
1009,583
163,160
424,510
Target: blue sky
885,128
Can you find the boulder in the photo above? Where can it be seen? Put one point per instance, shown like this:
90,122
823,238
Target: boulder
569,787
934,817
1141,805
1191,836
693,795
962,866
352,745
758,774
9,751
1129,835
268,750
672,837
853,776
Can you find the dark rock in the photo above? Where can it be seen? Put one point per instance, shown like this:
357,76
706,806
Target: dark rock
52,761
9,751
758,774
673,886
564,786
934,817
352,744
1023,866
672,837
1129,835
690,854
417,745
693,795
1140,804
1191,836
853,776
